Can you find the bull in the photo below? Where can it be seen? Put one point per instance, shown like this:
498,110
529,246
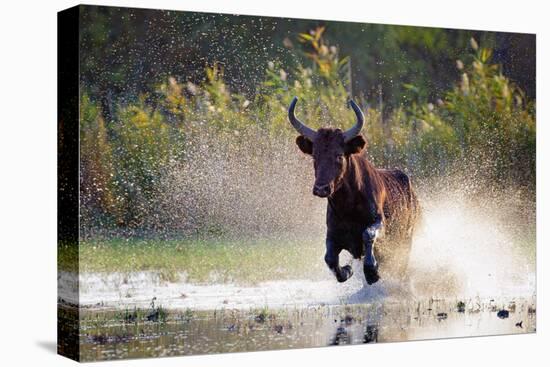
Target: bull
371,212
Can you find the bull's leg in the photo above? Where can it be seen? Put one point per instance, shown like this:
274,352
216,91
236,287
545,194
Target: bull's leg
332,259
370,265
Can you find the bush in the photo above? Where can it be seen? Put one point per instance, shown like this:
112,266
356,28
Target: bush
185,157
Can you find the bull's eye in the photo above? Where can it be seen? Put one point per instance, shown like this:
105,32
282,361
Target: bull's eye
340,158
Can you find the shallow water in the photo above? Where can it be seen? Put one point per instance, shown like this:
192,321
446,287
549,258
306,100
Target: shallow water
108,335
467,267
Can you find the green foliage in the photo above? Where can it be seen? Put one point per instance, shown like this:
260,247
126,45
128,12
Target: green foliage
142,152
488,122
98,189
483,124
127,51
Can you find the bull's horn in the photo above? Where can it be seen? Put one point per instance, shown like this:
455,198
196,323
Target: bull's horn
355,129
298,125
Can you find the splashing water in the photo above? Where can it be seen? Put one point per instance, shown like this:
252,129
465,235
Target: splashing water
248,185
471,250
468,244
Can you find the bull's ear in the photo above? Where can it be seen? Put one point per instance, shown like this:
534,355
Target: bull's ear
356,145
304,144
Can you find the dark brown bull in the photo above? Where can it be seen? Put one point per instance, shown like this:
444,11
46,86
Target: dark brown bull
363,201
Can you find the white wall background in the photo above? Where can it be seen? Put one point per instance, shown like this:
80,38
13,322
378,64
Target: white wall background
28,180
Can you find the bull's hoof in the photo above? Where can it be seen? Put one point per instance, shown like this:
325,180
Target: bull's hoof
345,273
371,274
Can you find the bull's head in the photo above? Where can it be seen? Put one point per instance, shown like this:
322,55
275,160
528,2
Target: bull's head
331,149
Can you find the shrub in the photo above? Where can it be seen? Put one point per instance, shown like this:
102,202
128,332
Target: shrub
174,159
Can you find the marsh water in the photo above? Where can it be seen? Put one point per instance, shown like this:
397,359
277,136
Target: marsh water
470,275
115,334
141,315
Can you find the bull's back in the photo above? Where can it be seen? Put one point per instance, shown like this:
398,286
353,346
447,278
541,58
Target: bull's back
401,207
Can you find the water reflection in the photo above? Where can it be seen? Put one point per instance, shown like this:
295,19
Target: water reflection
108,335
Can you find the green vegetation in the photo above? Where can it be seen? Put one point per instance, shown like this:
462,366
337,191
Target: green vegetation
126,52
201,261
483,128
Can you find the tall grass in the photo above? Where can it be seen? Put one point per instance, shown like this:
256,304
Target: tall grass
189,157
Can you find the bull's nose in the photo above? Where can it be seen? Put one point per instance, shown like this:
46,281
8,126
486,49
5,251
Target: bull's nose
321,190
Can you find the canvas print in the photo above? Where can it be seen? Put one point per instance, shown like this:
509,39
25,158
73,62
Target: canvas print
233,183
